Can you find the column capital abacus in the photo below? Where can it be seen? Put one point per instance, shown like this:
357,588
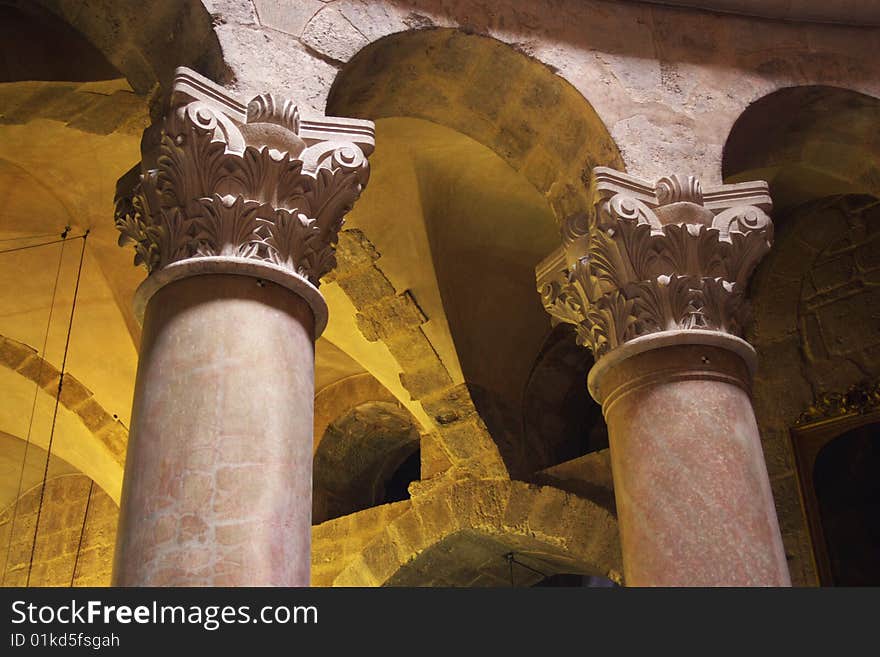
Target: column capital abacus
657,258
249,189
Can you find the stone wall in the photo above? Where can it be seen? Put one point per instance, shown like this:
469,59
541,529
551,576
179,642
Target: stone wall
336,543
667,82
64,541
816,332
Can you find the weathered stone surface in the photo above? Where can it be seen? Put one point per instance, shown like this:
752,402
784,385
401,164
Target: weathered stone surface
450,405
389,316
411,348
259,58
289,16
39,371
330,33
425,380
358,455
93,415
397,321
805,352
73,392
466,528
588,476
72,548
354,251
435,459
368,288
13,353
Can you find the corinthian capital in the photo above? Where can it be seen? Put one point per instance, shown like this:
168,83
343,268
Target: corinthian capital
224,184
652,257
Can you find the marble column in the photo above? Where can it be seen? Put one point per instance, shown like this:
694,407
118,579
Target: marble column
654,281
234,211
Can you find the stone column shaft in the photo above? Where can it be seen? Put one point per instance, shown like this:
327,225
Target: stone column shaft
234,212
654,283
218,478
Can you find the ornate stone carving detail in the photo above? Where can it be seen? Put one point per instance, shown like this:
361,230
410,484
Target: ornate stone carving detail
656,257
859,399
219,178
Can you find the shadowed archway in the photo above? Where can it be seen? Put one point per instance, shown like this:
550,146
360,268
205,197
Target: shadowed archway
807,142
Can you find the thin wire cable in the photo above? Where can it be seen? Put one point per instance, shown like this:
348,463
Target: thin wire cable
55,412
26,237
34,246
82,531
33,410
527,567
511,559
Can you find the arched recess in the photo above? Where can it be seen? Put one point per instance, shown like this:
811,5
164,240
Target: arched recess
541,525
75,540
807,142
560,420
814,296
480,151
846,481
533,119
340,397
145,42
366,457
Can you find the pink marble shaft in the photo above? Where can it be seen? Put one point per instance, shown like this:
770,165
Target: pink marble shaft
218,479
693,497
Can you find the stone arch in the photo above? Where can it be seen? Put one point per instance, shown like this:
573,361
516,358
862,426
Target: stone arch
340,397
808,142
358,458
146,46
102,454
479,100
567,533
533,119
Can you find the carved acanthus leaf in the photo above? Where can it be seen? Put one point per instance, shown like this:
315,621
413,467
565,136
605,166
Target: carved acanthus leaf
254,182
227,226
665,303
657,257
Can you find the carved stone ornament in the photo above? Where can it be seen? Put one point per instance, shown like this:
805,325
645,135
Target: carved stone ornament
656,257
223,184
859,399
